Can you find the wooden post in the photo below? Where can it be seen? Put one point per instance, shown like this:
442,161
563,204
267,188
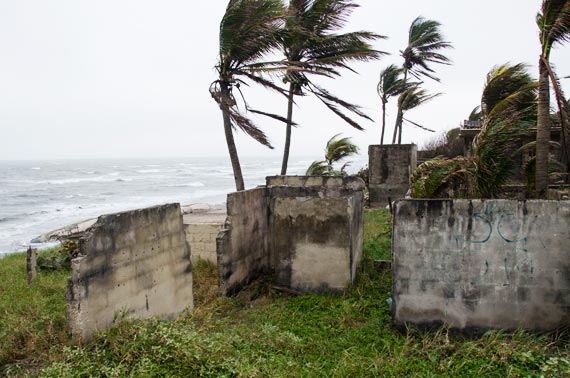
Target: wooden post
31,264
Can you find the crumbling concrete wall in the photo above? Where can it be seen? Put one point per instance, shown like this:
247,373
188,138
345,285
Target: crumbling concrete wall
316,231
202,240
134,264
390,167
480,264
307,231
242,249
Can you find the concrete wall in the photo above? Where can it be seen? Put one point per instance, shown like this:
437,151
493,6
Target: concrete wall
478,264
316,231
390,168
242,250
307,231
202,239
134,264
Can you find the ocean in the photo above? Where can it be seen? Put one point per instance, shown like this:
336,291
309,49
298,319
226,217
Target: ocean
40,196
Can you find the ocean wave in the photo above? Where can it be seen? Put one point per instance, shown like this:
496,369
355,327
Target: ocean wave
148,171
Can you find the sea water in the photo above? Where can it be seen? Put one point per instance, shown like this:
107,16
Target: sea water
40,196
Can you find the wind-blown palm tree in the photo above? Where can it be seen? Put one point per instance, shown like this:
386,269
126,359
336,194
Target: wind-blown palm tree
248,31
554,26
336,150
508,112
312,46
391,84
410,99
424,43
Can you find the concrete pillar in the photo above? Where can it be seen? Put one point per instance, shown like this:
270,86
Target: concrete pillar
390,168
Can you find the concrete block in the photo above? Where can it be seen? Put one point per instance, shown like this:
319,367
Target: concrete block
482,264
134,264
390,168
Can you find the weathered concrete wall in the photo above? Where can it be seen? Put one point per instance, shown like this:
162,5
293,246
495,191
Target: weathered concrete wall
390,168
307,231
202,240
482,264
131,264
242,245
316,231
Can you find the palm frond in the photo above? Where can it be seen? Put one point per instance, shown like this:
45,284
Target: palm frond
391,82
317,168
424,42
414,97
339,148
554,24
419,126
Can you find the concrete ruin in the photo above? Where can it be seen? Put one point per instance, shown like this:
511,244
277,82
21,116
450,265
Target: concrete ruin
306,231
390,167
474,265
134,264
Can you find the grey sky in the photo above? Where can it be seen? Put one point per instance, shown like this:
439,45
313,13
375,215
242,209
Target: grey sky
129,78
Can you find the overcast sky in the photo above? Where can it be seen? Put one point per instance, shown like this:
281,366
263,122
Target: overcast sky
130,78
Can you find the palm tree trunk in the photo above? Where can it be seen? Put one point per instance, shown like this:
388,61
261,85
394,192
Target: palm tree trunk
542,132
399,117
398,126
383,122
290,98
231,143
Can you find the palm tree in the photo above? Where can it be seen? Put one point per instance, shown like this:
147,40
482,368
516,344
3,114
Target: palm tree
336,150
312,46
248,31
410,99
390,84
508,112
554,27
424,42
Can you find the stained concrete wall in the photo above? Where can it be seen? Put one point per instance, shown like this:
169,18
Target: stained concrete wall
202,239
307,231
242,246
474,264
390,167
134,264
316,231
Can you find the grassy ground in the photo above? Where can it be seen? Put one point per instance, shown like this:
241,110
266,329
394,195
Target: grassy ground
263,333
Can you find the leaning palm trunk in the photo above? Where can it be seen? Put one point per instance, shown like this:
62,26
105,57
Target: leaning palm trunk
542,132
236,167
399,116
290,101
383,122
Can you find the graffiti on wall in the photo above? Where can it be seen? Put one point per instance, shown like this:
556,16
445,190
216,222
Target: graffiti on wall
499,224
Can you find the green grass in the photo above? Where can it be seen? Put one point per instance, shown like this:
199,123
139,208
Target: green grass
264,333
377,234
32,317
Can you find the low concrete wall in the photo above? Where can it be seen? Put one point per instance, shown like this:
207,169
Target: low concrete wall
474,265
307,231
202,239
134,264
242,250
390,167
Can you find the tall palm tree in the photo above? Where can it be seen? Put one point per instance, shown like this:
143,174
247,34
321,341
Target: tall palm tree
425,40
390,84
554,27
336,150
248,31
410,99
312,46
